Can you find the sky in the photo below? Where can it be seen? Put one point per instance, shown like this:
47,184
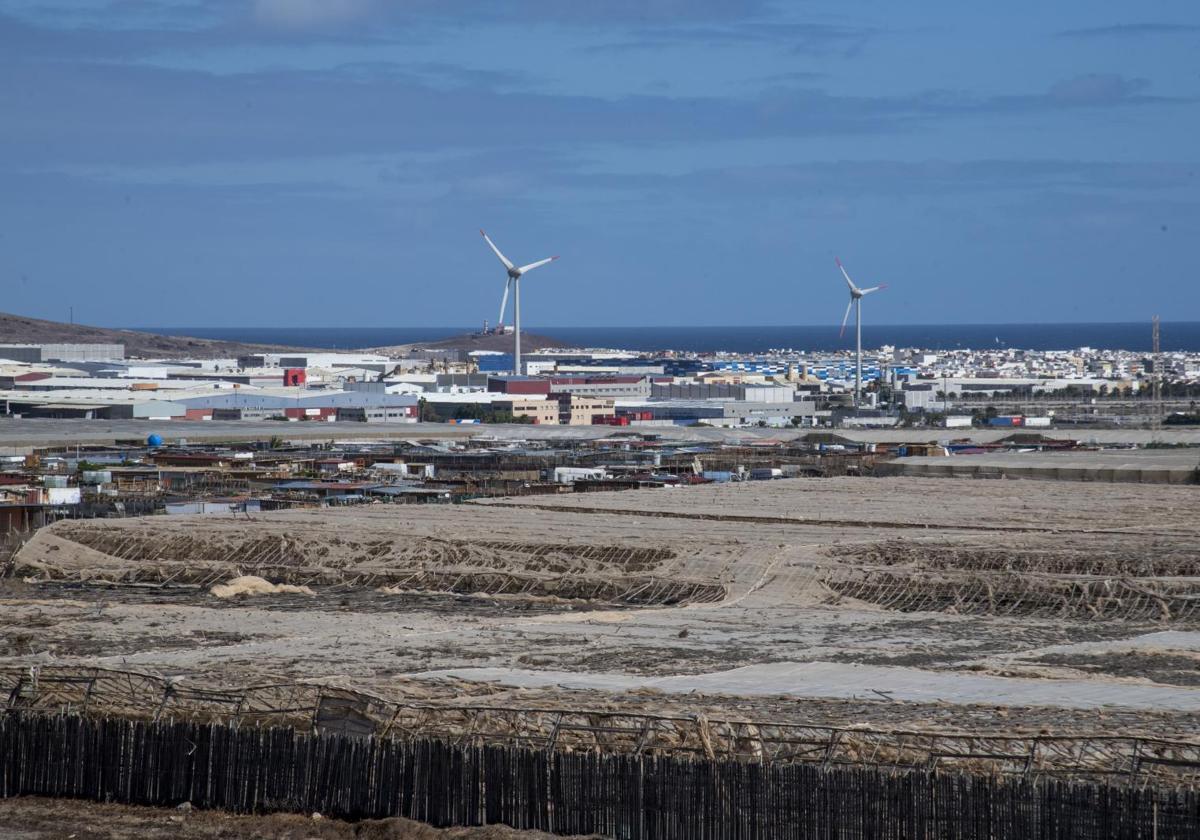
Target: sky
694,162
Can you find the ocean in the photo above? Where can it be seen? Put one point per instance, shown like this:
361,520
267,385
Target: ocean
1180,335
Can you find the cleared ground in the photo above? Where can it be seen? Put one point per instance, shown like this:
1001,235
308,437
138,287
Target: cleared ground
973,609
55,819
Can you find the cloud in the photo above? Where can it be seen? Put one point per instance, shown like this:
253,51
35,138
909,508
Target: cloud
73,39
22,39
102,15
1097,89
801,38
110,28
1087,91
787,78
851,178
1130,30
577,12
303,14
87,113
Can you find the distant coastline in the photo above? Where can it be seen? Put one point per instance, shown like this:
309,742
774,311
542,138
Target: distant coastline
1134,336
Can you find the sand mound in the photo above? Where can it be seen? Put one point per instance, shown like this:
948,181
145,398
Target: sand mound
253,585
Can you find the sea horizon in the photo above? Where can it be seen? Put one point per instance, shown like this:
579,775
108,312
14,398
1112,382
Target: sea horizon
1176,336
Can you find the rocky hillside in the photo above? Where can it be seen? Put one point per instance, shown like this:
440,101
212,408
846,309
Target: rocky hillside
17,329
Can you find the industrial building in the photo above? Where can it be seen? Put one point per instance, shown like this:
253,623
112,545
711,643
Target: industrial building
345,405
34,353
710,391
577,410
543,412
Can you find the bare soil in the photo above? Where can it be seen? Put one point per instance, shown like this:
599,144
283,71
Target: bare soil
910,581
1158,666
29,818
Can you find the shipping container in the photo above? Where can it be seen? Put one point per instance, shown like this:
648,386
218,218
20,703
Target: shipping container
957,422
1009,420
1040,422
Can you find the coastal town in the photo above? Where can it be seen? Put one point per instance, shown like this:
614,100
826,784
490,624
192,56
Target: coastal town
901,386
279,430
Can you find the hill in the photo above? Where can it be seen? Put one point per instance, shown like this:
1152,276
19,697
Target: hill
469,342
17,329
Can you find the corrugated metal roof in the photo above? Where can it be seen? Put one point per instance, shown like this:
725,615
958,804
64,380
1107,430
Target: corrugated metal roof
325,399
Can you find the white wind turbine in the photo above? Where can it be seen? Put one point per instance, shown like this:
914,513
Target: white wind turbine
856,296
514,282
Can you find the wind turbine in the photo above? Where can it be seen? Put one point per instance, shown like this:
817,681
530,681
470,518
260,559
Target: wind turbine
515,273
856,296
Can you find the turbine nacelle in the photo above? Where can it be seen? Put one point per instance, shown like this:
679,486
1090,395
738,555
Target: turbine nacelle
855,292
514,271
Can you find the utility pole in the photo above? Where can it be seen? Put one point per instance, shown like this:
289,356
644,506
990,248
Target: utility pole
1158,375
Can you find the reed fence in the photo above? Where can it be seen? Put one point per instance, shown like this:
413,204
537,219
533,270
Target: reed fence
253,769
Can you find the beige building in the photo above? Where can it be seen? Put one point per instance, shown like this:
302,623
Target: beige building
542,412
722,377
576,410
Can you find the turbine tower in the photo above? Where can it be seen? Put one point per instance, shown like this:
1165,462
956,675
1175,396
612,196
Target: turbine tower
514,282
856,296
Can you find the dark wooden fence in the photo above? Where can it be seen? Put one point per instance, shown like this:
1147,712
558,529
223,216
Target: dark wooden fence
624,796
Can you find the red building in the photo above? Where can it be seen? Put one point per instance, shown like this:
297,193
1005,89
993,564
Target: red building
518,385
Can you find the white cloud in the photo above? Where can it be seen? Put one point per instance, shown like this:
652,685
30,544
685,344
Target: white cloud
308,13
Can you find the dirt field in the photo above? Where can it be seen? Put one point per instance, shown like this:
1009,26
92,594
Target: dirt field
59,819
980,609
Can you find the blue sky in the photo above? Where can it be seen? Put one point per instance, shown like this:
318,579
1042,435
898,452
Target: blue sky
330,162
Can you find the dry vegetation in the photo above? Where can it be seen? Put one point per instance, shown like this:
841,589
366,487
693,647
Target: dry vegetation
564,620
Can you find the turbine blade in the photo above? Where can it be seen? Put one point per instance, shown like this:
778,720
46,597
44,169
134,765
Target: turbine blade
846,318
849,282
504,302
507,262
534,265
873,289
